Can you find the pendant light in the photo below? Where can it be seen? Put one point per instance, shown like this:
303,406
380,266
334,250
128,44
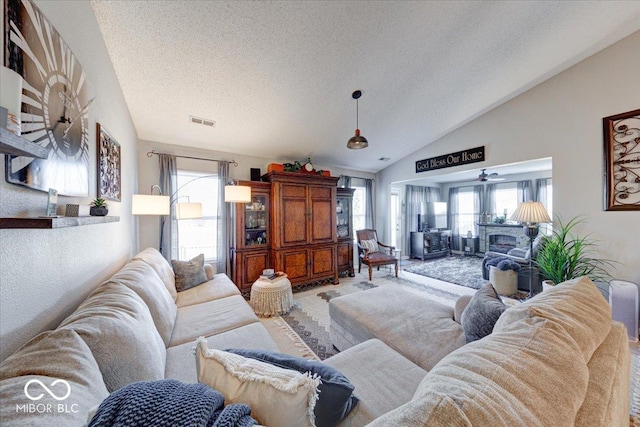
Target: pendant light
357,142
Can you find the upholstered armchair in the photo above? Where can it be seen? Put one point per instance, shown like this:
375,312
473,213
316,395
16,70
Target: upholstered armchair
374,253
521,256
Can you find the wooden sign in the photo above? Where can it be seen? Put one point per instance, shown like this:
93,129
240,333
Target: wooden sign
458,158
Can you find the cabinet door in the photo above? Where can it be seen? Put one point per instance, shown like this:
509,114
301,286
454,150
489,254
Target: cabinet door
295,262
248,267
345,257
323,261
293,215
323,217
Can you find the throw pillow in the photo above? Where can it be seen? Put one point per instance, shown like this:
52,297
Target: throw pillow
370,245
189,273
482,313
276,396
335,399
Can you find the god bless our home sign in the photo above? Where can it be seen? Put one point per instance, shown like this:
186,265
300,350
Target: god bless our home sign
458,158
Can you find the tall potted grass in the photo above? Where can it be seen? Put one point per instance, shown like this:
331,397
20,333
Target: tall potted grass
565,255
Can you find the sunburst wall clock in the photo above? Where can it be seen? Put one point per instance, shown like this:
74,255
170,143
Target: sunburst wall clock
622,161
55,103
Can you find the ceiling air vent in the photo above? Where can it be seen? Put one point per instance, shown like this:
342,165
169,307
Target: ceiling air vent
384,159
202,121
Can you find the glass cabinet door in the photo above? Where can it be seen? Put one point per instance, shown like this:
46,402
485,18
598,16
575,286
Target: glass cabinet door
343,216
256,221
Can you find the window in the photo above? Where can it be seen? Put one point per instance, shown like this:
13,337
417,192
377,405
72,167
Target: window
467,216
196,236
506,199
359,208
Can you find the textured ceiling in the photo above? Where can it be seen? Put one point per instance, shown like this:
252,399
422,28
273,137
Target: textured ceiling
277,77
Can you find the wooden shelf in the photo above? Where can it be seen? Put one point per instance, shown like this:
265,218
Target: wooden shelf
60,222
19,146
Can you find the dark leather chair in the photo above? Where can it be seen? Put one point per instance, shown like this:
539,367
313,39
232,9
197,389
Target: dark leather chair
373,253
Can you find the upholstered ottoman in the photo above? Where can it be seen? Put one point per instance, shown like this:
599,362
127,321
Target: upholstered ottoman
271,297
422,330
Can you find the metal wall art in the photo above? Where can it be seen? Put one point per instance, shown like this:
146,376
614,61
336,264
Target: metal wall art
109,171
622,161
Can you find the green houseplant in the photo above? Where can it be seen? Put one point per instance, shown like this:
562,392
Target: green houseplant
565,255
99,207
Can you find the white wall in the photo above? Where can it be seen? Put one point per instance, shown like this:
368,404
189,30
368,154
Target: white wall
560,118
149,175
45,274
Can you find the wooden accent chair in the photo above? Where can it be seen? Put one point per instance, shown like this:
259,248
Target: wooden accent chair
373,253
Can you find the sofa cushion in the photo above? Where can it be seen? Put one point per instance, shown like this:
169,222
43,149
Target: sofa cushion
189,273
219,286
144,281
335,399
382,377
576,305
52,355
181,365
525,374
276,396
403,318
118,328
155,259
211,318
482,313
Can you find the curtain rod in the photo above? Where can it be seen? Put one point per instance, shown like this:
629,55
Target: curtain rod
357,177
152,152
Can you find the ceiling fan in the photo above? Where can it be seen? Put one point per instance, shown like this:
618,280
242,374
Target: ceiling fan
484,177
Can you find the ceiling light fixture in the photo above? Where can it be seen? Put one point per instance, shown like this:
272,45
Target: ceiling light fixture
357,142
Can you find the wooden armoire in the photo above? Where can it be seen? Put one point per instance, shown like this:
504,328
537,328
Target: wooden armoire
303,226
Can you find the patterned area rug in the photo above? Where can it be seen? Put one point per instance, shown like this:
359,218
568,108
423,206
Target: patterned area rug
309,318
461,270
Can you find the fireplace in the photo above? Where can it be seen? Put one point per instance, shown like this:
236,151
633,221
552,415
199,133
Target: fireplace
502,243
501,237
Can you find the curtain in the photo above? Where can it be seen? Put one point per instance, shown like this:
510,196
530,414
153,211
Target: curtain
415,198
478,206
223,243
541,190
489,202
524,191
452,218
344,181
168,185
369,218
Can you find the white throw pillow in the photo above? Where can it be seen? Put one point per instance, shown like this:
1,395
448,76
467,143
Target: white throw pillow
277,397
370,245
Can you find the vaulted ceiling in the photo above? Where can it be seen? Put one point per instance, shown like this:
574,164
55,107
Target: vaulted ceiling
277,76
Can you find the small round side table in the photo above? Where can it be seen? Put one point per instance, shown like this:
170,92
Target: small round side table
271,297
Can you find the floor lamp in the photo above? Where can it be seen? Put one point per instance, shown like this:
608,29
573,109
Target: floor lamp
530,214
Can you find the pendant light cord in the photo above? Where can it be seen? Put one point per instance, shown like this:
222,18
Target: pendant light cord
357,115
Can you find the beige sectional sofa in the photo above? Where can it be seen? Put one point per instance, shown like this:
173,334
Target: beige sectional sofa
554,360
133,327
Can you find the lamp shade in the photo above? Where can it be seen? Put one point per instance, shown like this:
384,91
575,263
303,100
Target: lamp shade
188,210
142,204
532,212
237,194
357,141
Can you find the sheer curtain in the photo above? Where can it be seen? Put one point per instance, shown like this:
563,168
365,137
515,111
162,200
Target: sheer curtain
223,263
489,201
369,218
524,191
478,206
452,215
168,185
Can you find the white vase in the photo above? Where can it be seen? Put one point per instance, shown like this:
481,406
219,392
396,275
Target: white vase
504,281
547,284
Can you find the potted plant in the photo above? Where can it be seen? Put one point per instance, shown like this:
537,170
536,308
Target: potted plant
565,255
503,275
99,207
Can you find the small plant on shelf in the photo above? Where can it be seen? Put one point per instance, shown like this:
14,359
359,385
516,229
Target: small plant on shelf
99,207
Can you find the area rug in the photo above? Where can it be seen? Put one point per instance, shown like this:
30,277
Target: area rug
309,317
461,270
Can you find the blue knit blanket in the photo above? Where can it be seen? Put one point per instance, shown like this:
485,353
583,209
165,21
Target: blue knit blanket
169,403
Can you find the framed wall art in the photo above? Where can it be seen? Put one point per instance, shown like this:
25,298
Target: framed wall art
55,103
622,161
109,171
